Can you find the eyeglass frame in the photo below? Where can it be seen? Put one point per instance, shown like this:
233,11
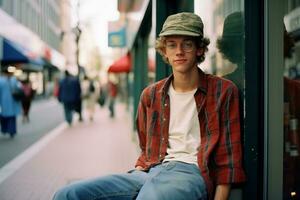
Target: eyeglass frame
184,48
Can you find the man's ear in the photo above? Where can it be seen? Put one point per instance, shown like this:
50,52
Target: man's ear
200,51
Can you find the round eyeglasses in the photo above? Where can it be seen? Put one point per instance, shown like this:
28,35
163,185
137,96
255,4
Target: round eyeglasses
186,46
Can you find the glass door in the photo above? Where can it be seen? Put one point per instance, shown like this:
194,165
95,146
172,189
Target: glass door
291,97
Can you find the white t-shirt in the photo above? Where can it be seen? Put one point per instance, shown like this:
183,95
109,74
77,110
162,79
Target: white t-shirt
184,128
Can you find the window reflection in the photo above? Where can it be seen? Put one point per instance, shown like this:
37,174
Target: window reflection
291,165
224,20
231,46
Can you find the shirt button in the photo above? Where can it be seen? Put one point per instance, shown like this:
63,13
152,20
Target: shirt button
164,119
166,105
163,139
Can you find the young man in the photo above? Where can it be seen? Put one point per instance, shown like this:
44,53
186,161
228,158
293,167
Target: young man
188,128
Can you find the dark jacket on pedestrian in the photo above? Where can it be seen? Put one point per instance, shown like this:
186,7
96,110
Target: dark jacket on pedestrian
69,90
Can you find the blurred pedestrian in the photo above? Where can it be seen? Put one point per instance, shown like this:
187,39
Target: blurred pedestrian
55,87
102,95
27,99
90,96
10,107
112,94
78,107
69,94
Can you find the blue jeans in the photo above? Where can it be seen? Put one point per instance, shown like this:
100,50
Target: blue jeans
68,108
167,181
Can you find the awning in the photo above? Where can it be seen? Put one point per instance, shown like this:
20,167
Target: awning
121,65
13,53
151,65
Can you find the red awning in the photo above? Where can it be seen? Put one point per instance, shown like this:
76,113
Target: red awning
121,65
151,65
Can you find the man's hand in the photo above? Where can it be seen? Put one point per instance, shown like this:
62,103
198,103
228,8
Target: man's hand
222,192
139,168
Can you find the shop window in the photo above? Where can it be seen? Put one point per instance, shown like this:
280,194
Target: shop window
291,151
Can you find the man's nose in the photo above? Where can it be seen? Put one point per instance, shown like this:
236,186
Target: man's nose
179,49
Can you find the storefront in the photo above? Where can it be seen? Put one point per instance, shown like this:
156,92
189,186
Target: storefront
250,47
291,98
22,48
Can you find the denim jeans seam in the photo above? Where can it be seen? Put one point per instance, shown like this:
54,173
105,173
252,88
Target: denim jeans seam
114,194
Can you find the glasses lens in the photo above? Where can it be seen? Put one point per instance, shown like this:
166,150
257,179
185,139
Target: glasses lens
171,45
186,46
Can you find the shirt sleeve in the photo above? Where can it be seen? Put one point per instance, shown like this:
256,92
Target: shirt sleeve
141,121
228,154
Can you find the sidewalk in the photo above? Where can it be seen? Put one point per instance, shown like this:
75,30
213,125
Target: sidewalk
84,150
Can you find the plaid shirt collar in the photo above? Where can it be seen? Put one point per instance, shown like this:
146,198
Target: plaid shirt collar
202,87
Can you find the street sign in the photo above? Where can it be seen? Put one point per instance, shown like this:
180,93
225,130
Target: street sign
116,34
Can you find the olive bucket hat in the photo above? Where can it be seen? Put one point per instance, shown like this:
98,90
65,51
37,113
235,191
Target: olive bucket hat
184,23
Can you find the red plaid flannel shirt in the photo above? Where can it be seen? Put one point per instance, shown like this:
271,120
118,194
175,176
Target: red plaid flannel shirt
217,102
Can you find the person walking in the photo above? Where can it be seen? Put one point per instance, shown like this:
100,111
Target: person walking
27,99
90,96
9,106
188,129
69,94
112,92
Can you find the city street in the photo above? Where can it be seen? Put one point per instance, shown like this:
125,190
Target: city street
66,154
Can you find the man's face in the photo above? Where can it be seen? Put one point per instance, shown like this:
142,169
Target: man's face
181,52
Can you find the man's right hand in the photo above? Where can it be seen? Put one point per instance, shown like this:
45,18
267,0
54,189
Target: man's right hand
139,168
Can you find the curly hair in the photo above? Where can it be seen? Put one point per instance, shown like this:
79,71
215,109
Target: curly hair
201,42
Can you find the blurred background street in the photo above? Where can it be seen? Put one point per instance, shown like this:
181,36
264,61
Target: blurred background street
45,115
66,59
84,150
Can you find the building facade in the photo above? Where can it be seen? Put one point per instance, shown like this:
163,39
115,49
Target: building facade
34,29
42,18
